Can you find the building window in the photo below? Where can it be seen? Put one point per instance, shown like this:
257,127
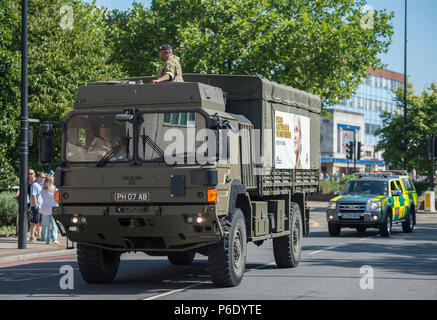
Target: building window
184,119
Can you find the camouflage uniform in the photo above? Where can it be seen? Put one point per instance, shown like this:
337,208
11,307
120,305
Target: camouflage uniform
173,68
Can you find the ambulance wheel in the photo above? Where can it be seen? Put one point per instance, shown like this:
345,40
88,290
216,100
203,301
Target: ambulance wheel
408,224
334,229
386,224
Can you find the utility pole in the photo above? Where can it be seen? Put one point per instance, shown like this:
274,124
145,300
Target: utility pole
24,148
355,152
405,92
433,153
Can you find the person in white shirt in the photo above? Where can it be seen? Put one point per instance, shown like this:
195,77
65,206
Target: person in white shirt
48,202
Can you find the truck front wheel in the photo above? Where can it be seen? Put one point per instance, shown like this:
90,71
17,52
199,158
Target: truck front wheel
287,249
227,258
97,265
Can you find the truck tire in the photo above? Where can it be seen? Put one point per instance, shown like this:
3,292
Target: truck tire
408,224
97,265
334,229
386,224
181,258
227,258
288,249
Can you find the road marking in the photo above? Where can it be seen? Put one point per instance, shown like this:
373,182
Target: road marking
198,284
326,249
174,291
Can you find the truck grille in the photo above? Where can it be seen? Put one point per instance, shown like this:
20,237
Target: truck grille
352,207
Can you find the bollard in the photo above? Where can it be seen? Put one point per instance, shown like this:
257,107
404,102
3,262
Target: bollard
429,201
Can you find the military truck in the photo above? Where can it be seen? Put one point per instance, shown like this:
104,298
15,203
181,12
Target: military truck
127,185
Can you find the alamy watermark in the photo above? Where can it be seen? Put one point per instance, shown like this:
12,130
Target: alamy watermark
67,280
368,278
367,21
67,17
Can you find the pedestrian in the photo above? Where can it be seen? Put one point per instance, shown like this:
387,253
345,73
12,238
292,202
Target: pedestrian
30,180
35,206
171,70
48,202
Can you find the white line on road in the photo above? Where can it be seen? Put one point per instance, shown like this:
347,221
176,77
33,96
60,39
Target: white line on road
174,291
326,249
198,284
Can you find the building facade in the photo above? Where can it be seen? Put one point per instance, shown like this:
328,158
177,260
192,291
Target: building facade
358,117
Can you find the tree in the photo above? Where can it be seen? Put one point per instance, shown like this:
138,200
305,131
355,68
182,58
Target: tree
319,46
421,122
67,49
9,91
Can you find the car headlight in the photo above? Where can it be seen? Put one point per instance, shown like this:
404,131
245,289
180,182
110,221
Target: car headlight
373,206
332,205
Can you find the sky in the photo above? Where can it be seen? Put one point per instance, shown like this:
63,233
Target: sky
421,34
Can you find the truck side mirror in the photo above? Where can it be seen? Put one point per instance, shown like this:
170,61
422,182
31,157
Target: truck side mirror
45,150
45,143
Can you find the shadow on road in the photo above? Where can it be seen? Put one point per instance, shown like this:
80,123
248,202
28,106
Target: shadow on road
409,253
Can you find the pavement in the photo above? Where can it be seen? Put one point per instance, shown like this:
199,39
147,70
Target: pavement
10,254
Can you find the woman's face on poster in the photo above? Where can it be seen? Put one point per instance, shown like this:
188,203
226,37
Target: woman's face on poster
297,137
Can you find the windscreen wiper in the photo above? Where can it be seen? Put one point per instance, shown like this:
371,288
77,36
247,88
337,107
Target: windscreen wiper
114,150
147,140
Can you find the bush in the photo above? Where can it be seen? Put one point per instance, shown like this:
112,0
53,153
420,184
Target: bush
8,209
332,185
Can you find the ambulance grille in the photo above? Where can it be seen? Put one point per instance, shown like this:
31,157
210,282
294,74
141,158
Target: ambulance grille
352,207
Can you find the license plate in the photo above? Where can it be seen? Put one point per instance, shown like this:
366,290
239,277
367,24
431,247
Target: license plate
130,196
351,216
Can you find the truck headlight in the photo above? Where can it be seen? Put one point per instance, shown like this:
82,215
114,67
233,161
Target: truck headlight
373,206
332,205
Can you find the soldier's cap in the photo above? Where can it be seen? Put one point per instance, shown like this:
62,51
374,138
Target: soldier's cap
166,47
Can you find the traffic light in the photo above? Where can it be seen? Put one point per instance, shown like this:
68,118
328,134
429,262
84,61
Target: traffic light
359,150
350,150
424,148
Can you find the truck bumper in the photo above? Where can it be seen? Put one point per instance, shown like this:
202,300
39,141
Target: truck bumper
137,228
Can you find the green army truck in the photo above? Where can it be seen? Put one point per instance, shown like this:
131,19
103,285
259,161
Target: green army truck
137,172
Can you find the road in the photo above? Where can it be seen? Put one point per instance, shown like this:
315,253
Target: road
351,266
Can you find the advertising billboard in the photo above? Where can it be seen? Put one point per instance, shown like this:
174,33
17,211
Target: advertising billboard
292,141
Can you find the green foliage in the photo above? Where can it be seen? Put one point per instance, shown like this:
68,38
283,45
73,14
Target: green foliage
8,209
9,91
60,60
317,46
332,185
329,186
421,121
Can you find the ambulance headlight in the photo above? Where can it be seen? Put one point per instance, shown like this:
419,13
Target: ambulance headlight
332,205
371,206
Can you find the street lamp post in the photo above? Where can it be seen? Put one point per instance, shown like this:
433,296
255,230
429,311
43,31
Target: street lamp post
24,141
405,92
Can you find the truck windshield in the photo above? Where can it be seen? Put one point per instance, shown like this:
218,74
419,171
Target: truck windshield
91,137
171,136
365,187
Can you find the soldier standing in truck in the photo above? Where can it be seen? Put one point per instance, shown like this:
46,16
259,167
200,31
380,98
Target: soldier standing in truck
171,70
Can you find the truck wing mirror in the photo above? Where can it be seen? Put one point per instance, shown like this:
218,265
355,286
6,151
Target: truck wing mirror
45,150
124,117
229,125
